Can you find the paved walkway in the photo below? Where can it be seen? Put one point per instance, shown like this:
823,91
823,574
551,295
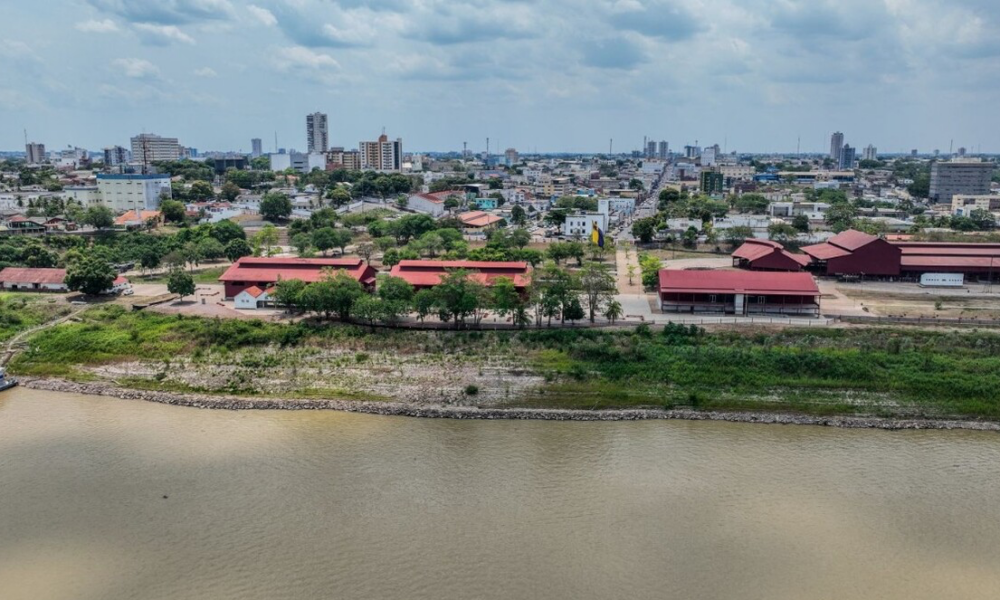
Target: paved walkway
623,259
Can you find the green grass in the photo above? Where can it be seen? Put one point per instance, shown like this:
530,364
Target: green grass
21,311
202,276
891,371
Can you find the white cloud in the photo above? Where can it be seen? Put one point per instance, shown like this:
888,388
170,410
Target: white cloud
299,57
17,49
162,35
264,16
95,26
206,72
137,68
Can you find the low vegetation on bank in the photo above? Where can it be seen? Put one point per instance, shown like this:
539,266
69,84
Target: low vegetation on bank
888,372
20,312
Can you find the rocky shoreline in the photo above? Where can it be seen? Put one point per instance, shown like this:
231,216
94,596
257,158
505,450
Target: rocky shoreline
470,412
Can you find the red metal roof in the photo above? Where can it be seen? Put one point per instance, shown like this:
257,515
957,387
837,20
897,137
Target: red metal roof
478,218
750,250
742,282
26,275
254,291
929,263
949,249
825,251
309,270
429,272
852,239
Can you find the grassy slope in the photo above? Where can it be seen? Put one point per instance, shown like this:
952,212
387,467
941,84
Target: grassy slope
845,371
21,311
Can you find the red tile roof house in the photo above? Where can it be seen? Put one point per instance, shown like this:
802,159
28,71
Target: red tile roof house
765,255
33,279
425,274
264,272
738,292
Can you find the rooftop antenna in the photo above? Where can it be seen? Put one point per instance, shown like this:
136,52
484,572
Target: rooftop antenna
951,146
798,146
611,145
25,137
465,150
275,141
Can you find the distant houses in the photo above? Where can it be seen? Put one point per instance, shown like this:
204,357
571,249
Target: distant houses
425,274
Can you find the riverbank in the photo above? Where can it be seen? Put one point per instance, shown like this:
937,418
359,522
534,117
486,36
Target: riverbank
213,402
891,373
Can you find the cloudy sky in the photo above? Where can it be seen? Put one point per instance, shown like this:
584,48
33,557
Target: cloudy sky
551,75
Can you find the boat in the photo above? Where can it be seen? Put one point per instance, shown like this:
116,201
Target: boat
6,382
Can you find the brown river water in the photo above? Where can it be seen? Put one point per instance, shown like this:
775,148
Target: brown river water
115,499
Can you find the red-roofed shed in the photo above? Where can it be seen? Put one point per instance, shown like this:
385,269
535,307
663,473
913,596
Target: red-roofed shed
264,272
855,253
765,255
33,279
738,292
424,274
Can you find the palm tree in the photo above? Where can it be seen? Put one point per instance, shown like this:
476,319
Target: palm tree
613,311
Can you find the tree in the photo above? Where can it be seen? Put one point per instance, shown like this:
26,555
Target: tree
323,239
983,220
237,249
288,292
801,223
751,203
201,190
520,237
667,197
369,309
613,311
395,289
840,216
644,229
229,191
90,274
275,206
149,259
181,283
650,267
338,196
735,236
423,303
690,237
344,292
781,232
266,239
598,285
573,311
365,250
226,231
630,270
211,249
504,297
173,211
517,215
301,242
457,296
99,217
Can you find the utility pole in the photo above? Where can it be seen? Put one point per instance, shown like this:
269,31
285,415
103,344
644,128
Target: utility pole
611,145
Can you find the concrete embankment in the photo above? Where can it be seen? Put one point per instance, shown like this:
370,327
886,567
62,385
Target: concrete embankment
434,411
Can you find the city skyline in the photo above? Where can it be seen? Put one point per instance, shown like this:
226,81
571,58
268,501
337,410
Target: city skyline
751,76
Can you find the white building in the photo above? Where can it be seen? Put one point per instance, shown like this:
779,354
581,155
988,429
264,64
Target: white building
616,206
382,155
132,192
251,298
581,224
317,134
148,148
737,172
85,195
430,204
303,163
34,153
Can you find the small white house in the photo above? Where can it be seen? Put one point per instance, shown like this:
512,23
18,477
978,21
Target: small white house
252,298
581,224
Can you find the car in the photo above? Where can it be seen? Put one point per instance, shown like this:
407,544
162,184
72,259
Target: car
128,292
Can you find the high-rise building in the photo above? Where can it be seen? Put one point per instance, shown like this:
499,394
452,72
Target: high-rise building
115,155
870,152
148,148
338,158
664,150
651,149
692,151
510,157
969,177
34,153
961,151
257,148
913,152
317,134
382,155
710,155
712,182
132,192
836,145
847,156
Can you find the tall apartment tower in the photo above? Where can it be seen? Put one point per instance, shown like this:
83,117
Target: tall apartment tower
846,159
317,134
959,177
149,148
663,151
34,153
382,155
870,153
115,155
836,145
257,148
